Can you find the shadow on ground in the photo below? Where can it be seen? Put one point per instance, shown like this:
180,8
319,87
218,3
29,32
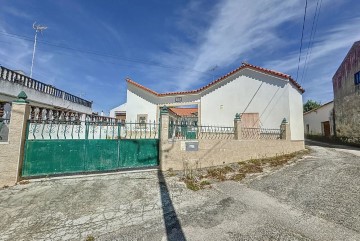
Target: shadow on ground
174,231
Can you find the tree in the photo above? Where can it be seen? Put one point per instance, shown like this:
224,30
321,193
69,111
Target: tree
310,105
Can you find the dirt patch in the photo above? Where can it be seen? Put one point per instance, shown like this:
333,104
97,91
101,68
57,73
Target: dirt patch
202,178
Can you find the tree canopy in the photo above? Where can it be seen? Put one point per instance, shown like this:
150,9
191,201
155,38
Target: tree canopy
310,105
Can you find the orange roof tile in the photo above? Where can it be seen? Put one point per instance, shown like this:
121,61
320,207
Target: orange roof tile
243,66
184,111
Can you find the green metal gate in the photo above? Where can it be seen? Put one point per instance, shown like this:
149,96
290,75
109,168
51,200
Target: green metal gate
76,147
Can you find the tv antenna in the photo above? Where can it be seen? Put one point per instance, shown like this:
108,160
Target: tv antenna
38,28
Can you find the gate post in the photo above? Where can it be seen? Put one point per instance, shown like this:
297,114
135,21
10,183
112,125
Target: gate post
11,162
237,127
164,136
285,130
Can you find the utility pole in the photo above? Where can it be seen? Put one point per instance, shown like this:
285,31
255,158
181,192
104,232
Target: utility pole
38,28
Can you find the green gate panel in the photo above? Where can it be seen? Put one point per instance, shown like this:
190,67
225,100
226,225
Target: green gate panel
49,157
43,157
139,153
102,155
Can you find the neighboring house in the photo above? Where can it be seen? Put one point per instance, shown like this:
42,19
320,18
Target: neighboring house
39,94
346,85
263,97
184,115
319,121
119,112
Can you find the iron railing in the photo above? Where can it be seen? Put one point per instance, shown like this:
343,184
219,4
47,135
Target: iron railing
55,129
261,133
12,76
4,129
191,132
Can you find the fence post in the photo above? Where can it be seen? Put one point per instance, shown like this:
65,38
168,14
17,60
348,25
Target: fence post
285,130
164,135
12,161
237,127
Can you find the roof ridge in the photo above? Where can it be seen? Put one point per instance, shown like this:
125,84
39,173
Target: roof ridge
243,66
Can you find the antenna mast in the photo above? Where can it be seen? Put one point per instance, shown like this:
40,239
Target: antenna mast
38,28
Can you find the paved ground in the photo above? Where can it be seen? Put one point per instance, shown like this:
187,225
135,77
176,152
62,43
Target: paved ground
316,198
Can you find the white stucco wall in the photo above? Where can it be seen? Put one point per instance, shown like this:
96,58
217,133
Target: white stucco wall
296,113
116,109
271,101
315,117
136,105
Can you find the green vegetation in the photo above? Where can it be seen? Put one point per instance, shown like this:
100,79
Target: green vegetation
90,238
310,105
201,178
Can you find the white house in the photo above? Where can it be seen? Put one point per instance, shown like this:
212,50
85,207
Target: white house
119,112
319,121
263,97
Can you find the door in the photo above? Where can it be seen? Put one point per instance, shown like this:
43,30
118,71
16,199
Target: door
326,128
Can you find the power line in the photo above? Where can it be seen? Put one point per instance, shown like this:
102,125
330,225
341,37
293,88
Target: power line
252,98
122,58
312,37
301,41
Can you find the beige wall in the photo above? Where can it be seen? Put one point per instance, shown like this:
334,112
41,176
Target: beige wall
12,152
220,152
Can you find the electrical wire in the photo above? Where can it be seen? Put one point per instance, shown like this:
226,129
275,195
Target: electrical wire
312,37
301,41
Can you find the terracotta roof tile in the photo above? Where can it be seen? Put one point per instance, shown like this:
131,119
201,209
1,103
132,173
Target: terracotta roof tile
184,111
243,66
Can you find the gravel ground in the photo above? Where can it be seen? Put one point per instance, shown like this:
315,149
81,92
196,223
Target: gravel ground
314,198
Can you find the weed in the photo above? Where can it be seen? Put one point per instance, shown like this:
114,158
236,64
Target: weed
257,162
250,168
205,183
171,172
219,173
90,238
24,182
192,185
238,177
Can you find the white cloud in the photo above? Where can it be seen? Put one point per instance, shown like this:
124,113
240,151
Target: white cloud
328,51
237,30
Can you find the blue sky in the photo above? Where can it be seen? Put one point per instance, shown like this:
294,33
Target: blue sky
172,45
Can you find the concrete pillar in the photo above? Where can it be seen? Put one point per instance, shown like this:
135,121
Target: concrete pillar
237,127
164,136
285,130
12,152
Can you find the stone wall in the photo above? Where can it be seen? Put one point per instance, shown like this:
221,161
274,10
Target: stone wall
347,95
220,152
347,116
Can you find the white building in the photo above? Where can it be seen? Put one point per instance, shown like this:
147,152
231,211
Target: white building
319,121
119,112
263,98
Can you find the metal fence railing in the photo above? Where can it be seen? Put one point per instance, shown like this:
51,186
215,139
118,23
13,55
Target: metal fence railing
90,130
4,129
191,132
260,134
12,76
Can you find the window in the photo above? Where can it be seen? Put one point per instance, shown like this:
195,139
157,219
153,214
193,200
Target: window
142,119
357,78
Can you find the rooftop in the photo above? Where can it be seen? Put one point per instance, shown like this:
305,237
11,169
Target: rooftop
243,66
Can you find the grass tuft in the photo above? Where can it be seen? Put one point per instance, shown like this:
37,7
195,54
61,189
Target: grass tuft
90,238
